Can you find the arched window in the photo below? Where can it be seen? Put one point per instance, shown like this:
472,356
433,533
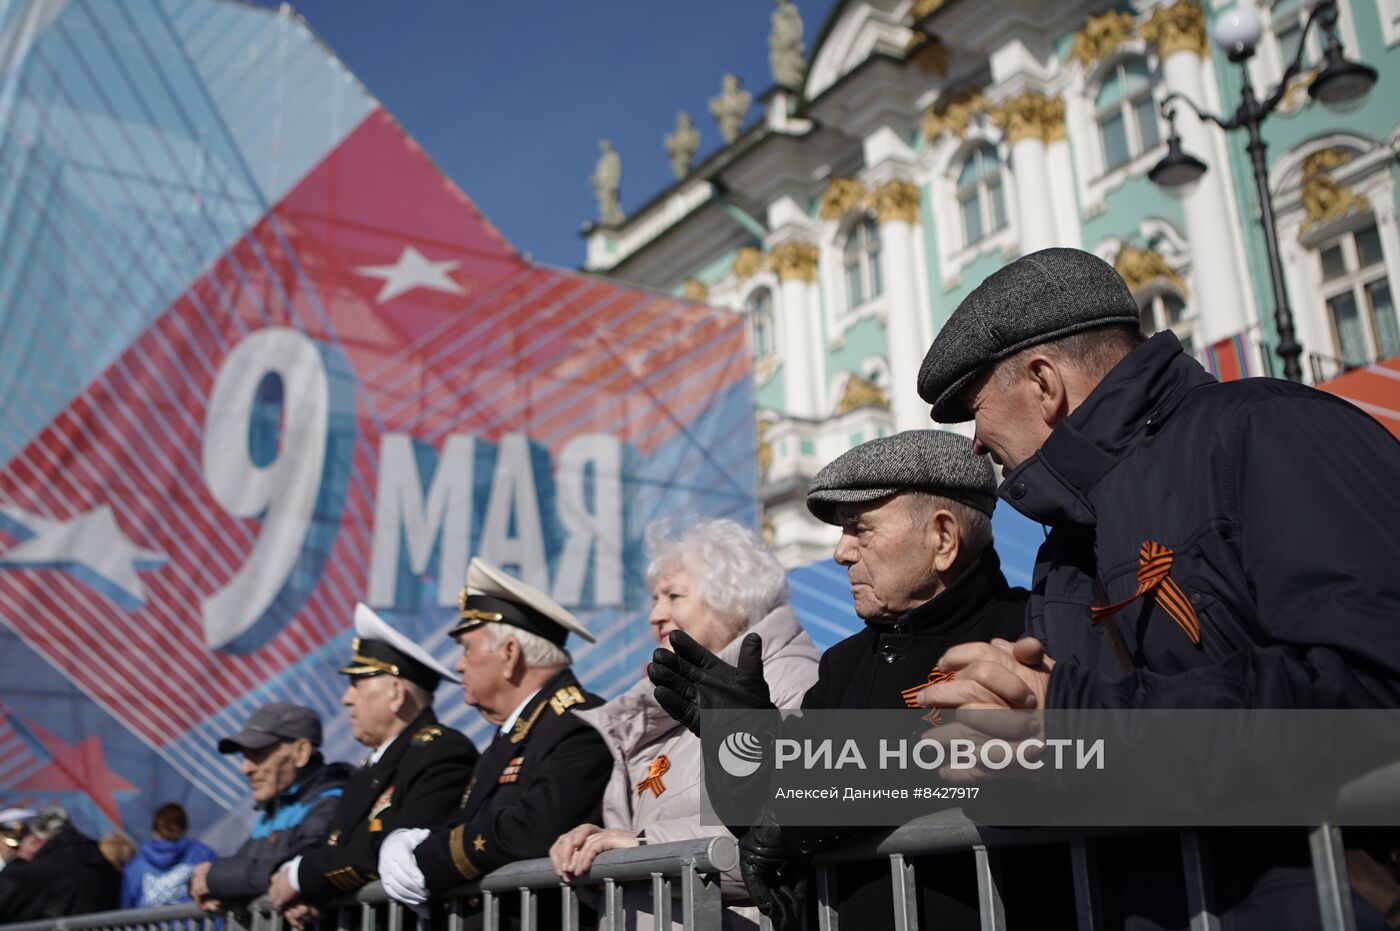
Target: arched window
1126,113
1165,310
861,260
760,313
981,200
1356,291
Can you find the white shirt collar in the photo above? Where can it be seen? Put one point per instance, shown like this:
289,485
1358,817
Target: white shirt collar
515,715
379,751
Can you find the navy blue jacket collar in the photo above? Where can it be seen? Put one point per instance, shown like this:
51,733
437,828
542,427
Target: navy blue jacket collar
1135,398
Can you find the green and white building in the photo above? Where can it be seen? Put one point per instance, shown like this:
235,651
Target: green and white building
933,141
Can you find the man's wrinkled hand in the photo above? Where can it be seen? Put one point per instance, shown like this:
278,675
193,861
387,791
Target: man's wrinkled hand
561,852
280,892
199,881
302,915
692,679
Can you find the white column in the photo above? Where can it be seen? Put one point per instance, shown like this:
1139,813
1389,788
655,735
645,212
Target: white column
1216,278
801,348
896,205
1029,120
1060,169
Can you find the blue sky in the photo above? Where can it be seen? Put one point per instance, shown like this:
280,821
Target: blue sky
510,98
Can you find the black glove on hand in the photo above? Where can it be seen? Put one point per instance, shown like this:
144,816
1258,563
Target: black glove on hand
692,680
776,874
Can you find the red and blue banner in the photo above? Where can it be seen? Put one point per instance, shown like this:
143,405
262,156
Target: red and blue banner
260,359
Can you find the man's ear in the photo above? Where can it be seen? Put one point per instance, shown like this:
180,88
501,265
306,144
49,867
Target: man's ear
398,694
1047,380
943,530
301,752
512,660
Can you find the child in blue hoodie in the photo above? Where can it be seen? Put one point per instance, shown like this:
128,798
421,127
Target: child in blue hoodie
159,874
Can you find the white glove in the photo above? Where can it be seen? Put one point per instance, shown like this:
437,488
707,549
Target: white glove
398,867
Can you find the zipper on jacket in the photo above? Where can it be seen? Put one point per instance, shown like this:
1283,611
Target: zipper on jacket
1221,636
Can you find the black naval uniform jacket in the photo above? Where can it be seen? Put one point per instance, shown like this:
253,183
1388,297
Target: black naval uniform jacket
880,665
543,778
415,784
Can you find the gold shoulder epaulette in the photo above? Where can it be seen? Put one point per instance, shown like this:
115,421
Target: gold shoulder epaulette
566,698
427,735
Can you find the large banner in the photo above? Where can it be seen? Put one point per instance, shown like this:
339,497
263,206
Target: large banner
260,359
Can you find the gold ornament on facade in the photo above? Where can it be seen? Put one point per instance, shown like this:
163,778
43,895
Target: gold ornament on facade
695,290
861,392
1100,37
1030,115
1142,267
895,200
765,449
748,262
794,260
929,53
1181,26
1324,198
954,112
842,195
925,8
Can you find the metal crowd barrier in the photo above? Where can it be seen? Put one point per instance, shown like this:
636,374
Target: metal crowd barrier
691,869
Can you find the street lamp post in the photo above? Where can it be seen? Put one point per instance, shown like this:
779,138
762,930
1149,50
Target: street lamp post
1237,33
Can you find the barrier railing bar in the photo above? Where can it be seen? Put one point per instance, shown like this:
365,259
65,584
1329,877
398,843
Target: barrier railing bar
660,901
1330,873
1084,869
568,907
1199,897
704,912
989,903
906,915
612,906
368,917
490,911
827,918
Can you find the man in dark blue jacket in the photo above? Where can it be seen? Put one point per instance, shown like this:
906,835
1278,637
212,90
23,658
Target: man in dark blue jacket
1211,545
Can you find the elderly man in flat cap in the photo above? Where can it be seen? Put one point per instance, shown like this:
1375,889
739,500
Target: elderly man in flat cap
544,771
915,516
414,776
1211,545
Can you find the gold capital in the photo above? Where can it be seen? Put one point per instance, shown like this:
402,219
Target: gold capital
1175,28
954,111
1324,198
747,263
842,195
896,200
861,392
1141,267
1100,37
695,290
794,260
1031,115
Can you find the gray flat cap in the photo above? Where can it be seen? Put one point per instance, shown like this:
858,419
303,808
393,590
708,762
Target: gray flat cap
934,461
273,724
1037,298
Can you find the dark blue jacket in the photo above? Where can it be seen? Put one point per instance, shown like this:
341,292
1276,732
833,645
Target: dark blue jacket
159,874
295,819
1280,505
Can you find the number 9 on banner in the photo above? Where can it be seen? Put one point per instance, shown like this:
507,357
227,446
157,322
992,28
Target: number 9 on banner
278,441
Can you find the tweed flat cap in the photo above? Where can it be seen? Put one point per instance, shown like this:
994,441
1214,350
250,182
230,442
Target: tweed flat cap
1037,298
935,461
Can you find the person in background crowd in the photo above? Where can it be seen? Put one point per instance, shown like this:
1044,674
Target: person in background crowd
159,873
414,776
117,848
66,875
294,791
717,582
12,831
916,542
1211,546
545,769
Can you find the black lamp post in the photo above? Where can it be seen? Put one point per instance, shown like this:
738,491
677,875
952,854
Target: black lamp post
1237,33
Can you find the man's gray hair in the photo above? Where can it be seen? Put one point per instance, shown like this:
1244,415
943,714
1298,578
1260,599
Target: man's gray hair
537,652
976,525
736,576
48,822
1094,352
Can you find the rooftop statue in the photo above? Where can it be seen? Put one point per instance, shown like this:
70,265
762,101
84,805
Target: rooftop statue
785,46
606,181
730,106
682,145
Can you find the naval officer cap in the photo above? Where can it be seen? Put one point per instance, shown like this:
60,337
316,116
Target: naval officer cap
380,650
14,825
1039,297
934,461
493,597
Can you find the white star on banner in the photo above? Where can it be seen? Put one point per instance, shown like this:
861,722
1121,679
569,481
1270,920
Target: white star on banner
412,270
90,546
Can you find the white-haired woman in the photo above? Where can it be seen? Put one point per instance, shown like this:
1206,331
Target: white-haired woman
715,581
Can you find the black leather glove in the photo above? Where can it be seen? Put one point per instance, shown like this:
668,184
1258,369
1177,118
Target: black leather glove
692,680
776,873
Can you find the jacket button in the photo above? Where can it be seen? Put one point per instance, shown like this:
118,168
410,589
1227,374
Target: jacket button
1195,598
887,656
1018,490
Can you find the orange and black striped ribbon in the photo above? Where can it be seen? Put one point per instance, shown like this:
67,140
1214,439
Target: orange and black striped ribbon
911,695
1154,577
658,768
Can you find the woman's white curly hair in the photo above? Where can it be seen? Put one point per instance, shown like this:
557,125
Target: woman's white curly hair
737,578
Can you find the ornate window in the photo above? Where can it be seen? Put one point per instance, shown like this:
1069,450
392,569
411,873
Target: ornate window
761,329
1165,310
1126,113
1358,297
981,195
860,260
1287,19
